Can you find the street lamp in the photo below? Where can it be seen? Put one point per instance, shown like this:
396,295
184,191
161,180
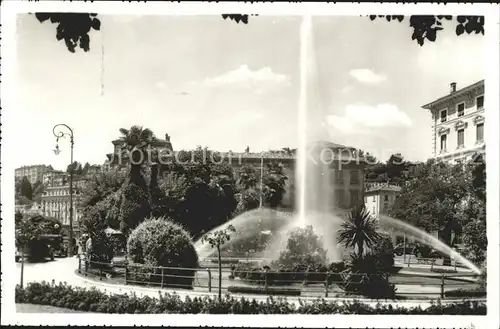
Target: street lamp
62,134
261,179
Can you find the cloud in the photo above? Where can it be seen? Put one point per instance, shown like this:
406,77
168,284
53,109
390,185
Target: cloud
243,77
367,76
346,89
362,118
160,85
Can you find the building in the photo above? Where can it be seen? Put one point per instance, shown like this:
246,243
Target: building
458,123
33,173
380,197
346,180
120,156
55,202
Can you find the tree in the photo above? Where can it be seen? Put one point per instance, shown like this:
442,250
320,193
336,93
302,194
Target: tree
76,167
159,242
30,230
432,199
359,230
274,184
427,26
216,239
74,28
26,189
247,178
38,189
304,248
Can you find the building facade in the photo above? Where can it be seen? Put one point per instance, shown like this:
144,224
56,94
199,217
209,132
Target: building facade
55,201
458,123
345,175
380,197
33,173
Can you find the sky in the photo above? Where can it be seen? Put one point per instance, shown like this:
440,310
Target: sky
210,82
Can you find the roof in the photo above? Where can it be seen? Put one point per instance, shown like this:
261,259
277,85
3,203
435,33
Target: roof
383,188
454,94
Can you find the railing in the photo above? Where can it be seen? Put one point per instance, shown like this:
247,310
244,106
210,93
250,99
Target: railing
234,280
433,262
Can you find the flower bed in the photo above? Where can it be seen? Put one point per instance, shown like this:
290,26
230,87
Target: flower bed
94,300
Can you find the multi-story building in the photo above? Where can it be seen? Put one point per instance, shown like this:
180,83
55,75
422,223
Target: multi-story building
380,197
458,123
346,178
55,201
33,173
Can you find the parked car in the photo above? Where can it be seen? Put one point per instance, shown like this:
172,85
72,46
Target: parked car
424,251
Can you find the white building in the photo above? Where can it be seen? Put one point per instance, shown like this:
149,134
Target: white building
458,123
380,197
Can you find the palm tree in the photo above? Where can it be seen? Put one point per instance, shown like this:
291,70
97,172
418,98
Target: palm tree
137,141
359,230
137,138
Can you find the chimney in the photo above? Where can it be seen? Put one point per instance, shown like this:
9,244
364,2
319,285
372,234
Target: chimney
453,87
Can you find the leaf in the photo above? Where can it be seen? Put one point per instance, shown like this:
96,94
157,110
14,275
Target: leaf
42,17
461,19
460,29
431,35
96,24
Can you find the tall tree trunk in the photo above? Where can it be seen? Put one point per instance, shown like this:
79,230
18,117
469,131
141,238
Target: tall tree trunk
360,249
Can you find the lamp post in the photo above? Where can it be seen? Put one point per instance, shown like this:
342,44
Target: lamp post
62,134
261,180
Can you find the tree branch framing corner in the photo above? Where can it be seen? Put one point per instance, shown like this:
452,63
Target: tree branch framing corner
74,28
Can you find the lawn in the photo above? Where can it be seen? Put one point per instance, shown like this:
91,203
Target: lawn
32,308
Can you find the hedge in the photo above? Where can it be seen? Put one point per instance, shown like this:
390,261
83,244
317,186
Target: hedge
264,291
461,293
93,300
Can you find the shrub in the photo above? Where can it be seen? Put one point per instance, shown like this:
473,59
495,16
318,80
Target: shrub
289,275
94,300
366,277
383,253
161,243
459,293
264,291
303,247
134,207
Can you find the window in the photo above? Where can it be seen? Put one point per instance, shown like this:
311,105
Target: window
443,115
339,179
373,198
374,212
366,200
461,109
480,132
443,143
354,177
480,102
460,138
386,198
386,206
354,198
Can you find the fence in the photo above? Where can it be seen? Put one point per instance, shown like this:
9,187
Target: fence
407,261
268,282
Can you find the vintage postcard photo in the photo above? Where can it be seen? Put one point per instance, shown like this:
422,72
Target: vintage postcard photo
319,165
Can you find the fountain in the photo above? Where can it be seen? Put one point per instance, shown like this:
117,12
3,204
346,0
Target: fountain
315,195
